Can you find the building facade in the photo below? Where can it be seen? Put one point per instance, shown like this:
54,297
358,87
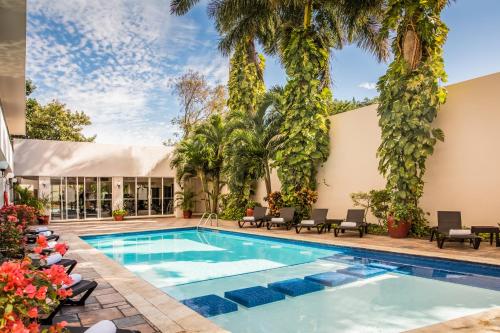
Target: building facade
84,180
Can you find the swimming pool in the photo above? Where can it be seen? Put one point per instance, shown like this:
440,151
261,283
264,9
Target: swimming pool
344,289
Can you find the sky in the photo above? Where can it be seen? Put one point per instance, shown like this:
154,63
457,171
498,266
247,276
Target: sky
116,60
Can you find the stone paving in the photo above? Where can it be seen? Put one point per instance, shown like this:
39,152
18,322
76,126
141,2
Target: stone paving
104,303
129,300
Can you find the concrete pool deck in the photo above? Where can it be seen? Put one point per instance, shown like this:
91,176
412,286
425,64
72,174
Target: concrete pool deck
145,308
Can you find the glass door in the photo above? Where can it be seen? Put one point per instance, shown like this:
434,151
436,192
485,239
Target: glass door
168,196
91,198
156,195
71,198
129,200
105,197
56,202
143,196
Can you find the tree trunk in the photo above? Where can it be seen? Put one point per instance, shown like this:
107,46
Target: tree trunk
216,191
267,177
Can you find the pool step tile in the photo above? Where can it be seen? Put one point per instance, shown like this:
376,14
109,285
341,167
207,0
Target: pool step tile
362,271
210,305
254,296
331,279
295,287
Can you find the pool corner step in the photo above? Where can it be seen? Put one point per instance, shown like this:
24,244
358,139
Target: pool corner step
210,305
295,287
254,296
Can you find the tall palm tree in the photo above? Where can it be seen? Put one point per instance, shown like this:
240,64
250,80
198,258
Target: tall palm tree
252,143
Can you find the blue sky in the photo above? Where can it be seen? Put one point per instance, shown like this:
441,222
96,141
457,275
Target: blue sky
116,59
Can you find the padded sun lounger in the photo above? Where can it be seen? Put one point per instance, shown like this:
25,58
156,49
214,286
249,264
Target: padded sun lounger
258,218
285,219
355,221
450,229
81,291
317,220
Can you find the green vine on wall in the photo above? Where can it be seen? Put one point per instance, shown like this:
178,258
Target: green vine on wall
306,103
245,84
410,97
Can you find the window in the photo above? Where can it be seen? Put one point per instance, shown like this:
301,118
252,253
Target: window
129,195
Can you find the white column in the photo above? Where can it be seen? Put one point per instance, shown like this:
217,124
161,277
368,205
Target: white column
117,196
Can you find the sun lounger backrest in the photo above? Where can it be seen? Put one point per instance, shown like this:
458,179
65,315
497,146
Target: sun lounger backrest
449,220
287,213
355,215
259,212
319,214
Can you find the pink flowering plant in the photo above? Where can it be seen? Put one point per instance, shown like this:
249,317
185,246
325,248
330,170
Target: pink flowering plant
26,293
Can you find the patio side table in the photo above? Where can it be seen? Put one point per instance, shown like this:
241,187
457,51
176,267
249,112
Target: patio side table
488,230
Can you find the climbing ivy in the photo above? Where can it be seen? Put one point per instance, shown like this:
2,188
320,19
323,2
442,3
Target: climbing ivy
306,106
410,97
246,86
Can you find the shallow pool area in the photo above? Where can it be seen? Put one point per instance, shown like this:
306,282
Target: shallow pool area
357,290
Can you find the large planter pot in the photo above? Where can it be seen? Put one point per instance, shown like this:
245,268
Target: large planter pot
187,214
399,229
43,219
249,212
118,217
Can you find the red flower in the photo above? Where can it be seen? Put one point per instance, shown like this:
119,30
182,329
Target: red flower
41,293
42,241
62,248
33,313
30,290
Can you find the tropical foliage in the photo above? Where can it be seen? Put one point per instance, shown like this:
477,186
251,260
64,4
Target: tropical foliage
54,121
410,96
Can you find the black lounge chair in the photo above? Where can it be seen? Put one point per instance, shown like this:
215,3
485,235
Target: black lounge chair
448,221
318,220
357,218
258,218
81,291
286,217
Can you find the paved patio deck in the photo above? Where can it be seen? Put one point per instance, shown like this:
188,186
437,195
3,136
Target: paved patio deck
133,303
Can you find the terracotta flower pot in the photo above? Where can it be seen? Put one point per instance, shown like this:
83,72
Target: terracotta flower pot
118,217
399,229
187,214
249,212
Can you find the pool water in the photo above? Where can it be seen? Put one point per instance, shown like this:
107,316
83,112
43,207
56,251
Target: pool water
416,292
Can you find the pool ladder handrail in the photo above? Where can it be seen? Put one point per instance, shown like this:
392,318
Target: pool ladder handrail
208,217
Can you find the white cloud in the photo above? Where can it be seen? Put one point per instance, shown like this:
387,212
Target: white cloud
114,59
368,85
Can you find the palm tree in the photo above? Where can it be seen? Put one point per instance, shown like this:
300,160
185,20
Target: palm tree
252,143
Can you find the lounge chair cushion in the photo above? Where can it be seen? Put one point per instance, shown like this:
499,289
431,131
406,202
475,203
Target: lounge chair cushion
75,278
307,222
249,218
459,232
53,258
346,224
278,219
104,326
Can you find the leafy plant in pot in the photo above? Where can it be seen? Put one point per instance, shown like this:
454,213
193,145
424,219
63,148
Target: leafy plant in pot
185,200
119,214
400,219
249,207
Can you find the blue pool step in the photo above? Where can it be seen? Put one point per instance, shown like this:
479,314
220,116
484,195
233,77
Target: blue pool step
254,296
362,271
295,287
210,305
331,279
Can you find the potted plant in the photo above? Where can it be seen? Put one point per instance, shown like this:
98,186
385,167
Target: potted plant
249,207
185,200
399,220
119,214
